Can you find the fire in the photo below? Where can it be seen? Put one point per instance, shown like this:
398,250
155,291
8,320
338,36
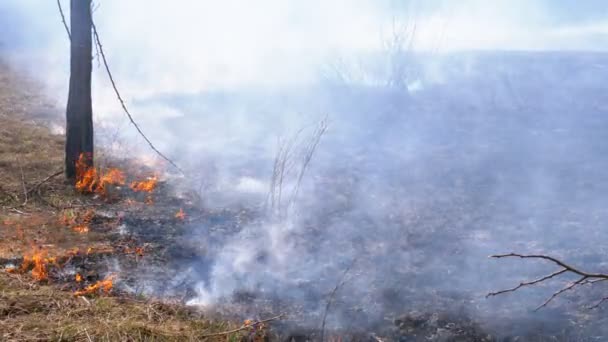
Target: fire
40,272
91,180
113,176
38,262
86,175
82,229
78,278
180,215
104,286
145,186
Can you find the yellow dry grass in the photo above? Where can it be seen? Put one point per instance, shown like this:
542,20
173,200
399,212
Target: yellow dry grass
30,217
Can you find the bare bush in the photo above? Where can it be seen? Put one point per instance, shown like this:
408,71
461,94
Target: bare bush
290,164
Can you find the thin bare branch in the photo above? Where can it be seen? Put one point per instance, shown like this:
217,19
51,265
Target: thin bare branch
332,295
39,184
600,302
513,289
554,260
65,24
122,102
585,277
569,287
247,326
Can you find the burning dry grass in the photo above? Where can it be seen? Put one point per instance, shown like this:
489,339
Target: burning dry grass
44,223
34,312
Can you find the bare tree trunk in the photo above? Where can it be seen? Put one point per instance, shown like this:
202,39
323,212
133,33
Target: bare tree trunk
79,113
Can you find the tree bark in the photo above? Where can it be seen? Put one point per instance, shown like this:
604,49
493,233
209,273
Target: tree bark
79,112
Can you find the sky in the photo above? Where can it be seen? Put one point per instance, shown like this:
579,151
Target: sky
193,44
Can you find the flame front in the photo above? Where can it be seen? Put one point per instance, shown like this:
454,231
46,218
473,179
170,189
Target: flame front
145,186
111,177
91,180
104,286
37,262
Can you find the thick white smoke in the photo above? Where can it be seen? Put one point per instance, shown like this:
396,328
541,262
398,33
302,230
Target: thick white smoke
417,179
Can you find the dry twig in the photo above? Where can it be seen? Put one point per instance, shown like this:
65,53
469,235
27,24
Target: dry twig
247,326
39,184
585,277
25,193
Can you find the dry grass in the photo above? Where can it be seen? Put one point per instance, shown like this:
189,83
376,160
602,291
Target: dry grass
29,151
30,216
29,154
30,312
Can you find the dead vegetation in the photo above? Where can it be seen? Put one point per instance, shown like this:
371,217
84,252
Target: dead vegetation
30,312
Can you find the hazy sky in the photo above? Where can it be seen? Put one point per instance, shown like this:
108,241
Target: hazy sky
190,44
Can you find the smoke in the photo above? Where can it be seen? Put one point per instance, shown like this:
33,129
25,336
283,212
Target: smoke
435,156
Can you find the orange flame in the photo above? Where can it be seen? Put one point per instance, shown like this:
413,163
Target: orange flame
39,262
78,278
145,186
180,215
102,285
85,174
111,177
82,229
91,180
39,272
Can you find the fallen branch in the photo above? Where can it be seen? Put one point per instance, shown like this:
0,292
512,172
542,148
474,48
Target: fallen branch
244,327
585,277
39,184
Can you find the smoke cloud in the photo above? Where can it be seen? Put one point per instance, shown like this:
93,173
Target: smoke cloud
483,131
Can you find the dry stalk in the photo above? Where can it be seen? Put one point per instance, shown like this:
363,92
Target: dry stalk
332,295
284,168
25,192
244,327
